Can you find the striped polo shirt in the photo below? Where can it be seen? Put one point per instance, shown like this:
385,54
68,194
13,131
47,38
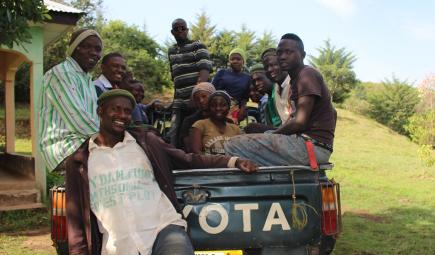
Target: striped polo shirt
186,61
68,115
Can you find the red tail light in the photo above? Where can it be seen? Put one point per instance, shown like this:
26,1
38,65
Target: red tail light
331,211
58,214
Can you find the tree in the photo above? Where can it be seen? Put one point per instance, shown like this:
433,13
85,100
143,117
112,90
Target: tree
336,68
245,41
221,46
393,104
266,41
141,53
14,20
202,30
426,90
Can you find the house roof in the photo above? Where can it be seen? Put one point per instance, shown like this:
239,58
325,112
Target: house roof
59,7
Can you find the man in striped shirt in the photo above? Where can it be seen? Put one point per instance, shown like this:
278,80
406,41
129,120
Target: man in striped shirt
68,116
190,64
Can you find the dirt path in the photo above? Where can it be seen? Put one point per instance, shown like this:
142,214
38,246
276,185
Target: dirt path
31,242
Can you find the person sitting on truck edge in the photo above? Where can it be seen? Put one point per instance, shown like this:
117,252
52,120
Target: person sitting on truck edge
315,117
67,114
235,81
113,70
141,112
208,135
120,196
200,94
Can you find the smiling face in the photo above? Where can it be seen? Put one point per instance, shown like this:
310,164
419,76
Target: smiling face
200,99
289,55
236,62
88,52
218,108
271,65
137,90
114,69
261,83
115,115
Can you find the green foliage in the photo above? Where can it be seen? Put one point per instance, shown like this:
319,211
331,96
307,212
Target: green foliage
140,51
202,30
393,104
266,41
336,67
245,40
221,46
92,8
421,128
14,18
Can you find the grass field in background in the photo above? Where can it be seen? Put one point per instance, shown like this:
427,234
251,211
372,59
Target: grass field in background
387,193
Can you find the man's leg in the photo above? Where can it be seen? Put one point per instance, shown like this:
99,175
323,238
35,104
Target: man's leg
273,150
172,240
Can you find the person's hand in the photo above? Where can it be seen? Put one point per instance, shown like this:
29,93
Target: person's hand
157,105
242,114
246,165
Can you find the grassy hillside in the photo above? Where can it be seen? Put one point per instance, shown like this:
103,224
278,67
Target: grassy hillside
388,196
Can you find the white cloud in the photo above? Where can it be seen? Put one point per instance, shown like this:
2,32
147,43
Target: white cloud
343,8
421,30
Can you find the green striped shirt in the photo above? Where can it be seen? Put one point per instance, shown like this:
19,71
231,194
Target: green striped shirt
68,114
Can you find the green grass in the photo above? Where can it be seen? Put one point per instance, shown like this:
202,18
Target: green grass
387,193
388,201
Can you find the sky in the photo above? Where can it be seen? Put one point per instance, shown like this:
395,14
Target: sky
389,38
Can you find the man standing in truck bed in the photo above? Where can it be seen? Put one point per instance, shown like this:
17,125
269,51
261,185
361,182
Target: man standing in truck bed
189,65
314,121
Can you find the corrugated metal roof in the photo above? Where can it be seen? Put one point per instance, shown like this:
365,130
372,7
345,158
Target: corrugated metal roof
58,7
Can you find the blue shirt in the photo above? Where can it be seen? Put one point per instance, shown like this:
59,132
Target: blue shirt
235,84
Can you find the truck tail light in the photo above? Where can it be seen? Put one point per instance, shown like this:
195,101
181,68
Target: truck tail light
331,209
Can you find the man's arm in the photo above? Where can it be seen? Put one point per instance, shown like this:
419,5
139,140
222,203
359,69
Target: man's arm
299,124
77,242
203,75
182,160
64,96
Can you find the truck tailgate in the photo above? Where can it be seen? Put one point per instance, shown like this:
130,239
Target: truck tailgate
228,209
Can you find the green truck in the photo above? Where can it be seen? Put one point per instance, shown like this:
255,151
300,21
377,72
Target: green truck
278,210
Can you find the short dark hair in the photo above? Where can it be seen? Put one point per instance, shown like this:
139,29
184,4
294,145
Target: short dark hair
294,37
178,20
110,55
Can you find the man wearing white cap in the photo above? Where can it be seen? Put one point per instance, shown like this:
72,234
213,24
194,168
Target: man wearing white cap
68,116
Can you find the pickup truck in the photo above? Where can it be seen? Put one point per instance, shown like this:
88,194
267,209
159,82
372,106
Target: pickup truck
278,210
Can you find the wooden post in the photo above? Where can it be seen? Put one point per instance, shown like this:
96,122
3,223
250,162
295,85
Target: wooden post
10,109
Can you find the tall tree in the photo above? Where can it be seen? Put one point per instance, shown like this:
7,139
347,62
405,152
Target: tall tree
336,67
202,30
140,51
14,20
393,104
245,40
266,41
221,46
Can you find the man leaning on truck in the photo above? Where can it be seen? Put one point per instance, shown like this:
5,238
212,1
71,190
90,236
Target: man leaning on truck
314,121
120,197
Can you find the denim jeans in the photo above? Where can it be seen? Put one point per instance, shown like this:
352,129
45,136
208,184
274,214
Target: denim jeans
172,240
274,150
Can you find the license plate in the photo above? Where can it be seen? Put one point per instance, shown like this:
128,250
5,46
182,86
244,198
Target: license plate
229,252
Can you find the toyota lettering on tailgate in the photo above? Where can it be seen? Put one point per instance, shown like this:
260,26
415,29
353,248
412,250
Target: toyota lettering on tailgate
275,216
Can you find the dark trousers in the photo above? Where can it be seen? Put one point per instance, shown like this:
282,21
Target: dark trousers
172,240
